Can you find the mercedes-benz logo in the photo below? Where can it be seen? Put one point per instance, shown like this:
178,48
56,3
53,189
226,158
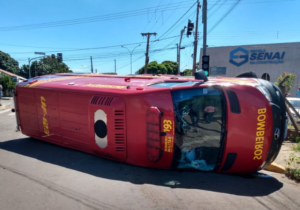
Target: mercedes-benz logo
276,133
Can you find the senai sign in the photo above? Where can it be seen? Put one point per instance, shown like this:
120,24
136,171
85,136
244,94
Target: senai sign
240,56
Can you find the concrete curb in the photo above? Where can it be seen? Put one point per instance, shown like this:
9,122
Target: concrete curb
6,98
274,167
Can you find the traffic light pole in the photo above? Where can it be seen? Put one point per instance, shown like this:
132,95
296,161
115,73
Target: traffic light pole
204,21
205,57
147,49
177,56
196,38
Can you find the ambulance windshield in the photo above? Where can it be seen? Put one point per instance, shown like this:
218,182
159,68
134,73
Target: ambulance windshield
199,127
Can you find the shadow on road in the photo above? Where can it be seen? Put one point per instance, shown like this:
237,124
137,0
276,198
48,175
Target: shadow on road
108,169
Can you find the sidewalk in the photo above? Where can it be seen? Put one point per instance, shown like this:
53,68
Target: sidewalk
7,103
280,164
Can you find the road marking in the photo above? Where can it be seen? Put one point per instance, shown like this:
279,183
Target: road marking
7,110
12,113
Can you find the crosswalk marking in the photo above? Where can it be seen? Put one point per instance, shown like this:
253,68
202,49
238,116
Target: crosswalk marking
12,113
6,110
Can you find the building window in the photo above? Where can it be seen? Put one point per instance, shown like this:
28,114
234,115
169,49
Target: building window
216,71
266,76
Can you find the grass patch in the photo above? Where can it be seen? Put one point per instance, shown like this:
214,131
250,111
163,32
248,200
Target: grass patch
293,167
295,139
293,174
297,147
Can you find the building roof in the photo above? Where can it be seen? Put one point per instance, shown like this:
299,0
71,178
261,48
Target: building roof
11,74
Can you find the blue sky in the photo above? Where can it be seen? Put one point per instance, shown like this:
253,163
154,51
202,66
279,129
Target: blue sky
106,25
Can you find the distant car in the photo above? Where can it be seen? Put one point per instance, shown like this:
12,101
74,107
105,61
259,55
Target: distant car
295,102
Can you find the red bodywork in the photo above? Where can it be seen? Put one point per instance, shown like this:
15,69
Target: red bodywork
63,109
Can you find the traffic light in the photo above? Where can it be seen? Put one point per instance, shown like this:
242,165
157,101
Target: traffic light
52,56
59,57
190,28
205,64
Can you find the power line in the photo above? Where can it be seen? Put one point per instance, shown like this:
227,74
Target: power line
152,16
178,20
258,2
160,17
111,56
216,24
218,21
216,9
154,44
96,48
111,16
221,19
94,18
32,46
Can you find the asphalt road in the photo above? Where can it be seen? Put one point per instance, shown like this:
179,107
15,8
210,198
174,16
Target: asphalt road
39,175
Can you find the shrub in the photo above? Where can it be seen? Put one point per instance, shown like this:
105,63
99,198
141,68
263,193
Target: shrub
7,84
289,82
293,167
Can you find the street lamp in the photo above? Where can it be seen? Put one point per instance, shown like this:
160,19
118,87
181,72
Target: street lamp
29,60
130,56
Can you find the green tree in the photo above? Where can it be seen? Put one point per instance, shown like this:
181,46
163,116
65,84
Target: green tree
187,72
7,63
7,84
50,65
44,66
289,82
166,67
24,71
171,66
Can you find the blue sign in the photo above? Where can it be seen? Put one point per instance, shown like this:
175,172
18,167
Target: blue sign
259,56
245,56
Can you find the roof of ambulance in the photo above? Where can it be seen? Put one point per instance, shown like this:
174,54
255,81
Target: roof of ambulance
67,81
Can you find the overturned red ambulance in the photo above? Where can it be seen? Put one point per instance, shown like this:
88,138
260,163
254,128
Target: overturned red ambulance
227,125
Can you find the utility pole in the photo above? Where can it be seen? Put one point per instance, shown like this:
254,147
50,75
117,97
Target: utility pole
179,48
177,55
92,64
196,38
147,50
115,66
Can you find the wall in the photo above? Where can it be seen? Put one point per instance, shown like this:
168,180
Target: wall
289,52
